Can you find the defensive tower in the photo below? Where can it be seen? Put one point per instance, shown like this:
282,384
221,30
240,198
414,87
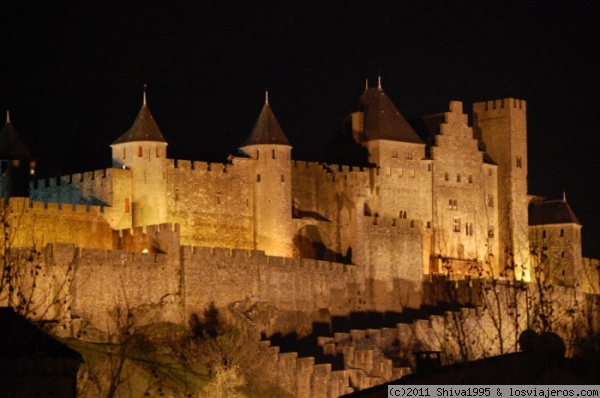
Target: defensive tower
271,181
142,150
502,126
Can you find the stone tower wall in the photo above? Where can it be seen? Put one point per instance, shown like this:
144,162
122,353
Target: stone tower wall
271,183
147,162
502,125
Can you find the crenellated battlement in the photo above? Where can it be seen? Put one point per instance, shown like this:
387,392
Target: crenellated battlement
326,167
77,178
239,257
68,211
503,103
198,166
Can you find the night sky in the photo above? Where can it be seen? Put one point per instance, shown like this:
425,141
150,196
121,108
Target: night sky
72,76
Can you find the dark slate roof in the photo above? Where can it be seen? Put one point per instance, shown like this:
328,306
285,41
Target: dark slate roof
11,146
144,128
551,212
266,130
383,121
21,339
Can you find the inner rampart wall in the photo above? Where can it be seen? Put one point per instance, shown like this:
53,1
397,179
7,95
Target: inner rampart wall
212,202
36,224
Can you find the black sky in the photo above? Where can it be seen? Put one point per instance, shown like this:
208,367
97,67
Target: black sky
72,75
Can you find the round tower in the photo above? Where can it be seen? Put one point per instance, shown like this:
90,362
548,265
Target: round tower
142,150
271,180
17,165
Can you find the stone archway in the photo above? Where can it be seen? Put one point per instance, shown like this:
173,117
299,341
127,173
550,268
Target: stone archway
311,241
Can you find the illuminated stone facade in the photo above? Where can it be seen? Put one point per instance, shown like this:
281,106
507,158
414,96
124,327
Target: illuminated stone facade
454,202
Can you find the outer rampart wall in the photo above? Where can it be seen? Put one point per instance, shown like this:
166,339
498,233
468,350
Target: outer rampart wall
223,276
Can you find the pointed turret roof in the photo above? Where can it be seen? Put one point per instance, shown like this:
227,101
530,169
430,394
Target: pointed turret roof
267,130
144,128
11,146
383,121
551,212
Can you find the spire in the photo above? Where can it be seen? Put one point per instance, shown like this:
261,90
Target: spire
379,80
366,84
564,196
267,130
11,145
144,127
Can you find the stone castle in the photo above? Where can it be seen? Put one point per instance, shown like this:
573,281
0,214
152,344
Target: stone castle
285,243
262,226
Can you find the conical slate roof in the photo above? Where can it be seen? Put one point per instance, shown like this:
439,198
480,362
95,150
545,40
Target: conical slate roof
383,121
267,130
11,146
144,128
551,212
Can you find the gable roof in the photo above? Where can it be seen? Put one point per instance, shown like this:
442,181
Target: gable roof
383,121
144,128
11,146
551,212
266,130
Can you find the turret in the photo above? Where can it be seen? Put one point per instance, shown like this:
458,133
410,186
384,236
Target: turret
502,127
17,164
271,181
143,150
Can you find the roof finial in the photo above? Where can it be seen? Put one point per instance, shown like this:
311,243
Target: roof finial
564,196
7,116
267,97
379,80
366,84
144,99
